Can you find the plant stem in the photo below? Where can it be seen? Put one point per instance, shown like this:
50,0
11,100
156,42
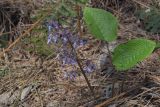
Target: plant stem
109,53
81,68
78,9
77,59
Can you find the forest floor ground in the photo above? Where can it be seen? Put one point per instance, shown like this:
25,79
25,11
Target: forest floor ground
29,80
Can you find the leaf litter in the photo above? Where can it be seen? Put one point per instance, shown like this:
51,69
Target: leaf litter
52,90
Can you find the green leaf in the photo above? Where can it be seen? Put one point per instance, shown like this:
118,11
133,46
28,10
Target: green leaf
129,54
102,24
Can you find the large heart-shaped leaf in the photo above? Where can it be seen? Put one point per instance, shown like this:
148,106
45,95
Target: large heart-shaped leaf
102,24
129,54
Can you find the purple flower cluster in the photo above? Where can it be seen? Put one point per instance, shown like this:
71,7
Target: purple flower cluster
89,66
57,34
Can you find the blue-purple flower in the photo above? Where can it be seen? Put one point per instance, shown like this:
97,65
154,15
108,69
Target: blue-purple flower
89,67
55,38
70,75
49,39
49,28
69,60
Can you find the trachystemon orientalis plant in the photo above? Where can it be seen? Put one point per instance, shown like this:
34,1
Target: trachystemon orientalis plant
103,26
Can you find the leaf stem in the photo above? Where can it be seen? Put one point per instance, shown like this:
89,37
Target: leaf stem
109,54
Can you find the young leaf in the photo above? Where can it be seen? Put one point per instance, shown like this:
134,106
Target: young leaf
129,54
102,24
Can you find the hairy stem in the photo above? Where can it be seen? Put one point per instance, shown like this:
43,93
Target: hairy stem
110,54
81,68
78,9
77,59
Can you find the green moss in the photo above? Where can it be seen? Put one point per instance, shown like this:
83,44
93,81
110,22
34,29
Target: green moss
38,42
3,72
150,19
